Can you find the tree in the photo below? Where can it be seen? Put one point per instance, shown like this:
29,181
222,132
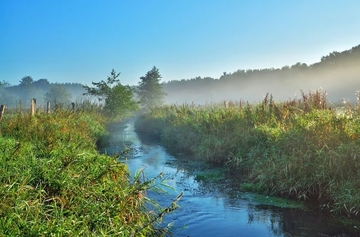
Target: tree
150,90
4,84
118,99
103,88
42,84
6,97
27,91
58,95
120,102
26,81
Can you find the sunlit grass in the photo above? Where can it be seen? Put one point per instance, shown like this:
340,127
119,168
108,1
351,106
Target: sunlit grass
55,183
301,148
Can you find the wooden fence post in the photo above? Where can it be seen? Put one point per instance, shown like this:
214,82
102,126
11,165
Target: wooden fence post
33,106
2,111
48,107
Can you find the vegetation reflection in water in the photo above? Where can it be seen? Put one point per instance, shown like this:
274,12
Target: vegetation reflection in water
302,148
220,208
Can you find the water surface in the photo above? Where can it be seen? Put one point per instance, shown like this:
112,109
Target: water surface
209,209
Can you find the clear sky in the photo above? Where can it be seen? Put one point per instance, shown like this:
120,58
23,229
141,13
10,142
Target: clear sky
83,40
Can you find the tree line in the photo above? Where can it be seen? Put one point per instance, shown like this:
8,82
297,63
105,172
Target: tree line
116,99
42,90
338,73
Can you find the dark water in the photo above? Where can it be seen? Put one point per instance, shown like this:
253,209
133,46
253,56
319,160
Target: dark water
215,209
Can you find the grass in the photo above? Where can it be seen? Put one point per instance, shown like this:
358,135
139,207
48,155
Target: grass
301,148
273,201
213,175
55,183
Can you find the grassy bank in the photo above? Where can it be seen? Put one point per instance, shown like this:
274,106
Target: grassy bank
301,148
55,183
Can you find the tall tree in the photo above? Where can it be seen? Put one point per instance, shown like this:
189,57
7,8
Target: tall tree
118,99
103,88
26,81
150,90
27,89
58,95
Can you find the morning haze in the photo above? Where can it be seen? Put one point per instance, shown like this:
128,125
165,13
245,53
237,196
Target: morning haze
205,51
337,73
115,139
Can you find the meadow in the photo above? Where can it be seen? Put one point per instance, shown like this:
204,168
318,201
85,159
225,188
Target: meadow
55,183
305,149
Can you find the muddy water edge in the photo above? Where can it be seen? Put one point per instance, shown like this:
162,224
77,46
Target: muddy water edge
213,205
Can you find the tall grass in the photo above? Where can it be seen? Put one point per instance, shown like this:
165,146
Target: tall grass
55,183
300,148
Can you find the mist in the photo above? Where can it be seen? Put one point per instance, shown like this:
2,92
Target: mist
338,74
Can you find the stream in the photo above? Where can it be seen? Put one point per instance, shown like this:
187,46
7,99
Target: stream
214,209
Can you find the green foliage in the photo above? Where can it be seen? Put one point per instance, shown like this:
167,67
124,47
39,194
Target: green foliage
215,175
27,89
103,88
26,81
302,149
150,90
40,90
55,183
273,201
118,99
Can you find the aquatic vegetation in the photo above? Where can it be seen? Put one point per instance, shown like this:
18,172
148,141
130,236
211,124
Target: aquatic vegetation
262,199
213,175
301,148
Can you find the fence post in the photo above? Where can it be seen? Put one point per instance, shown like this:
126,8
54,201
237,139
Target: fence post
48,107
2,111
33,106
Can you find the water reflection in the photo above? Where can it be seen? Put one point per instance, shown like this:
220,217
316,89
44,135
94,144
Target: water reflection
213,209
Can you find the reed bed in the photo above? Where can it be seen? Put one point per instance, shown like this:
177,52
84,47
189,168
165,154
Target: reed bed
55,183
301,148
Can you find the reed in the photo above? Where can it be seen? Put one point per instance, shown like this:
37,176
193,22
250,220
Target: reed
300,148
55,183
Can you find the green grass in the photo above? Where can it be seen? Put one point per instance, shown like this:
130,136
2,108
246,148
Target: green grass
273,201
55,183
213,175
302,149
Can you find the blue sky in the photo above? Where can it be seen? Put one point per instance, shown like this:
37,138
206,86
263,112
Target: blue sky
83,40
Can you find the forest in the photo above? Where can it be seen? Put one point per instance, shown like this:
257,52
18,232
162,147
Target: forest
337,73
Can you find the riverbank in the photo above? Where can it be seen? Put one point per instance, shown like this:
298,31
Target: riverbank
54,181
213,205
301,149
